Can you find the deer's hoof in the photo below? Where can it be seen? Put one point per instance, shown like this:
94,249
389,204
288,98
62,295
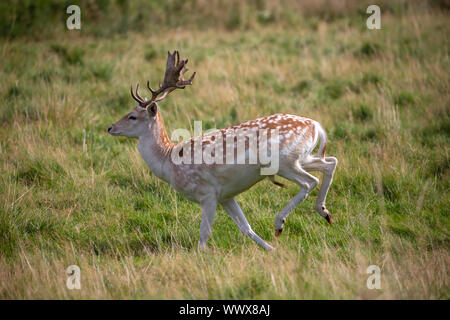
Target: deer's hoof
278,232
328,218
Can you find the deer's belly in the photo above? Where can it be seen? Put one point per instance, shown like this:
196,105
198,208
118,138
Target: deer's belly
225,181
236,179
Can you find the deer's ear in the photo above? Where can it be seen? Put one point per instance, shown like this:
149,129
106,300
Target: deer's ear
152,109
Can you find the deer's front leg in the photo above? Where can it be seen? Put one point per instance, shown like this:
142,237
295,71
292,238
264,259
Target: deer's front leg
235,212
208,212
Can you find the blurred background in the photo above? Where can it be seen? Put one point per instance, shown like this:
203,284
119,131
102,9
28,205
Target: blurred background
41,19
72,194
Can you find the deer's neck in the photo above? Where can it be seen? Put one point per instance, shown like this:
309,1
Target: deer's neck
155,147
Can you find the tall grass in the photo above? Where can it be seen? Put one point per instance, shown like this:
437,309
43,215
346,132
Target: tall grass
71,194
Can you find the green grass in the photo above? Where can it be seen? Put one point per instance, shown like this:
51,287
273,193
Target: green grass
72,194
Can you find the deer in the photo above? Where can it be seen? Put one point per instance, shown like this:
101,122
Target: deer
213,184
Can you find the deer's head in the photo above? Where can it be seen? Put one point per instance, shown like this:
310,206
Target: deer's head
142,117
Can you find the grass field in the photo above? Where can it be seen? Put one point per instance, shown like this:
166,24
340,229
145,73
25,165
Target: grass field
73,195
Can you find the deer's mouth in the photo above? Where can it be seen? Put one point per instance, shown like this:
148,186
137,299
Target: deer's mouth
113,132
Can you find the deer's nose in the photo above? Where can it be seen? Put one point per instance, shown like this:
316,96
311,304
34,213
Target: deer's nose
109,129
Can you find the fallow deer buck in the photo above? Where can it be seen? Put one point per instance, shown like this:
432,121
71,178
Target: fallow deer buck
218,183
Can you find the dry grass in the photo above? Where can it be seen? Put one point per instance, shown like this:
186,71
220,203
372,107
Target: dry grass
224,274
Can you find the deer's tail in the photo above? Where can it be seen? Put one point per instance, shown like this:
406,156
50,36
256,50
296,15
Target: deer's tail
272,179
323,141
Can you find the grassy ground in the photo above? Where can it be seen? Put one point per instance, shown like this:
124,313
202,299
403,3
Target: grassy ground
72,194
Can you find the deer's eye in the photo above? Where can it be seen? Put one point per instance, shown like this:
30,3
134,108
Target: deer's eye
131,118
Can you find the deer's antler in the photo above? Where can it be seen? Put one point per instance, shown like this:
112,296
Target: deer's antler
173,79
136,96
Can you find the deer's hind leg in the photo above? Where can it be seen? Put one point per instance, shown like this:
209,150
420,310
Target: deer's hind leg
327,166
307,183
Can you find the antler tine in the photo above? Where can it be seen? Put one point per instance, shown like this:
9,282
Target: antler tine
142,102
165,94
132,94
137,94
150,88
183,83
170,60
